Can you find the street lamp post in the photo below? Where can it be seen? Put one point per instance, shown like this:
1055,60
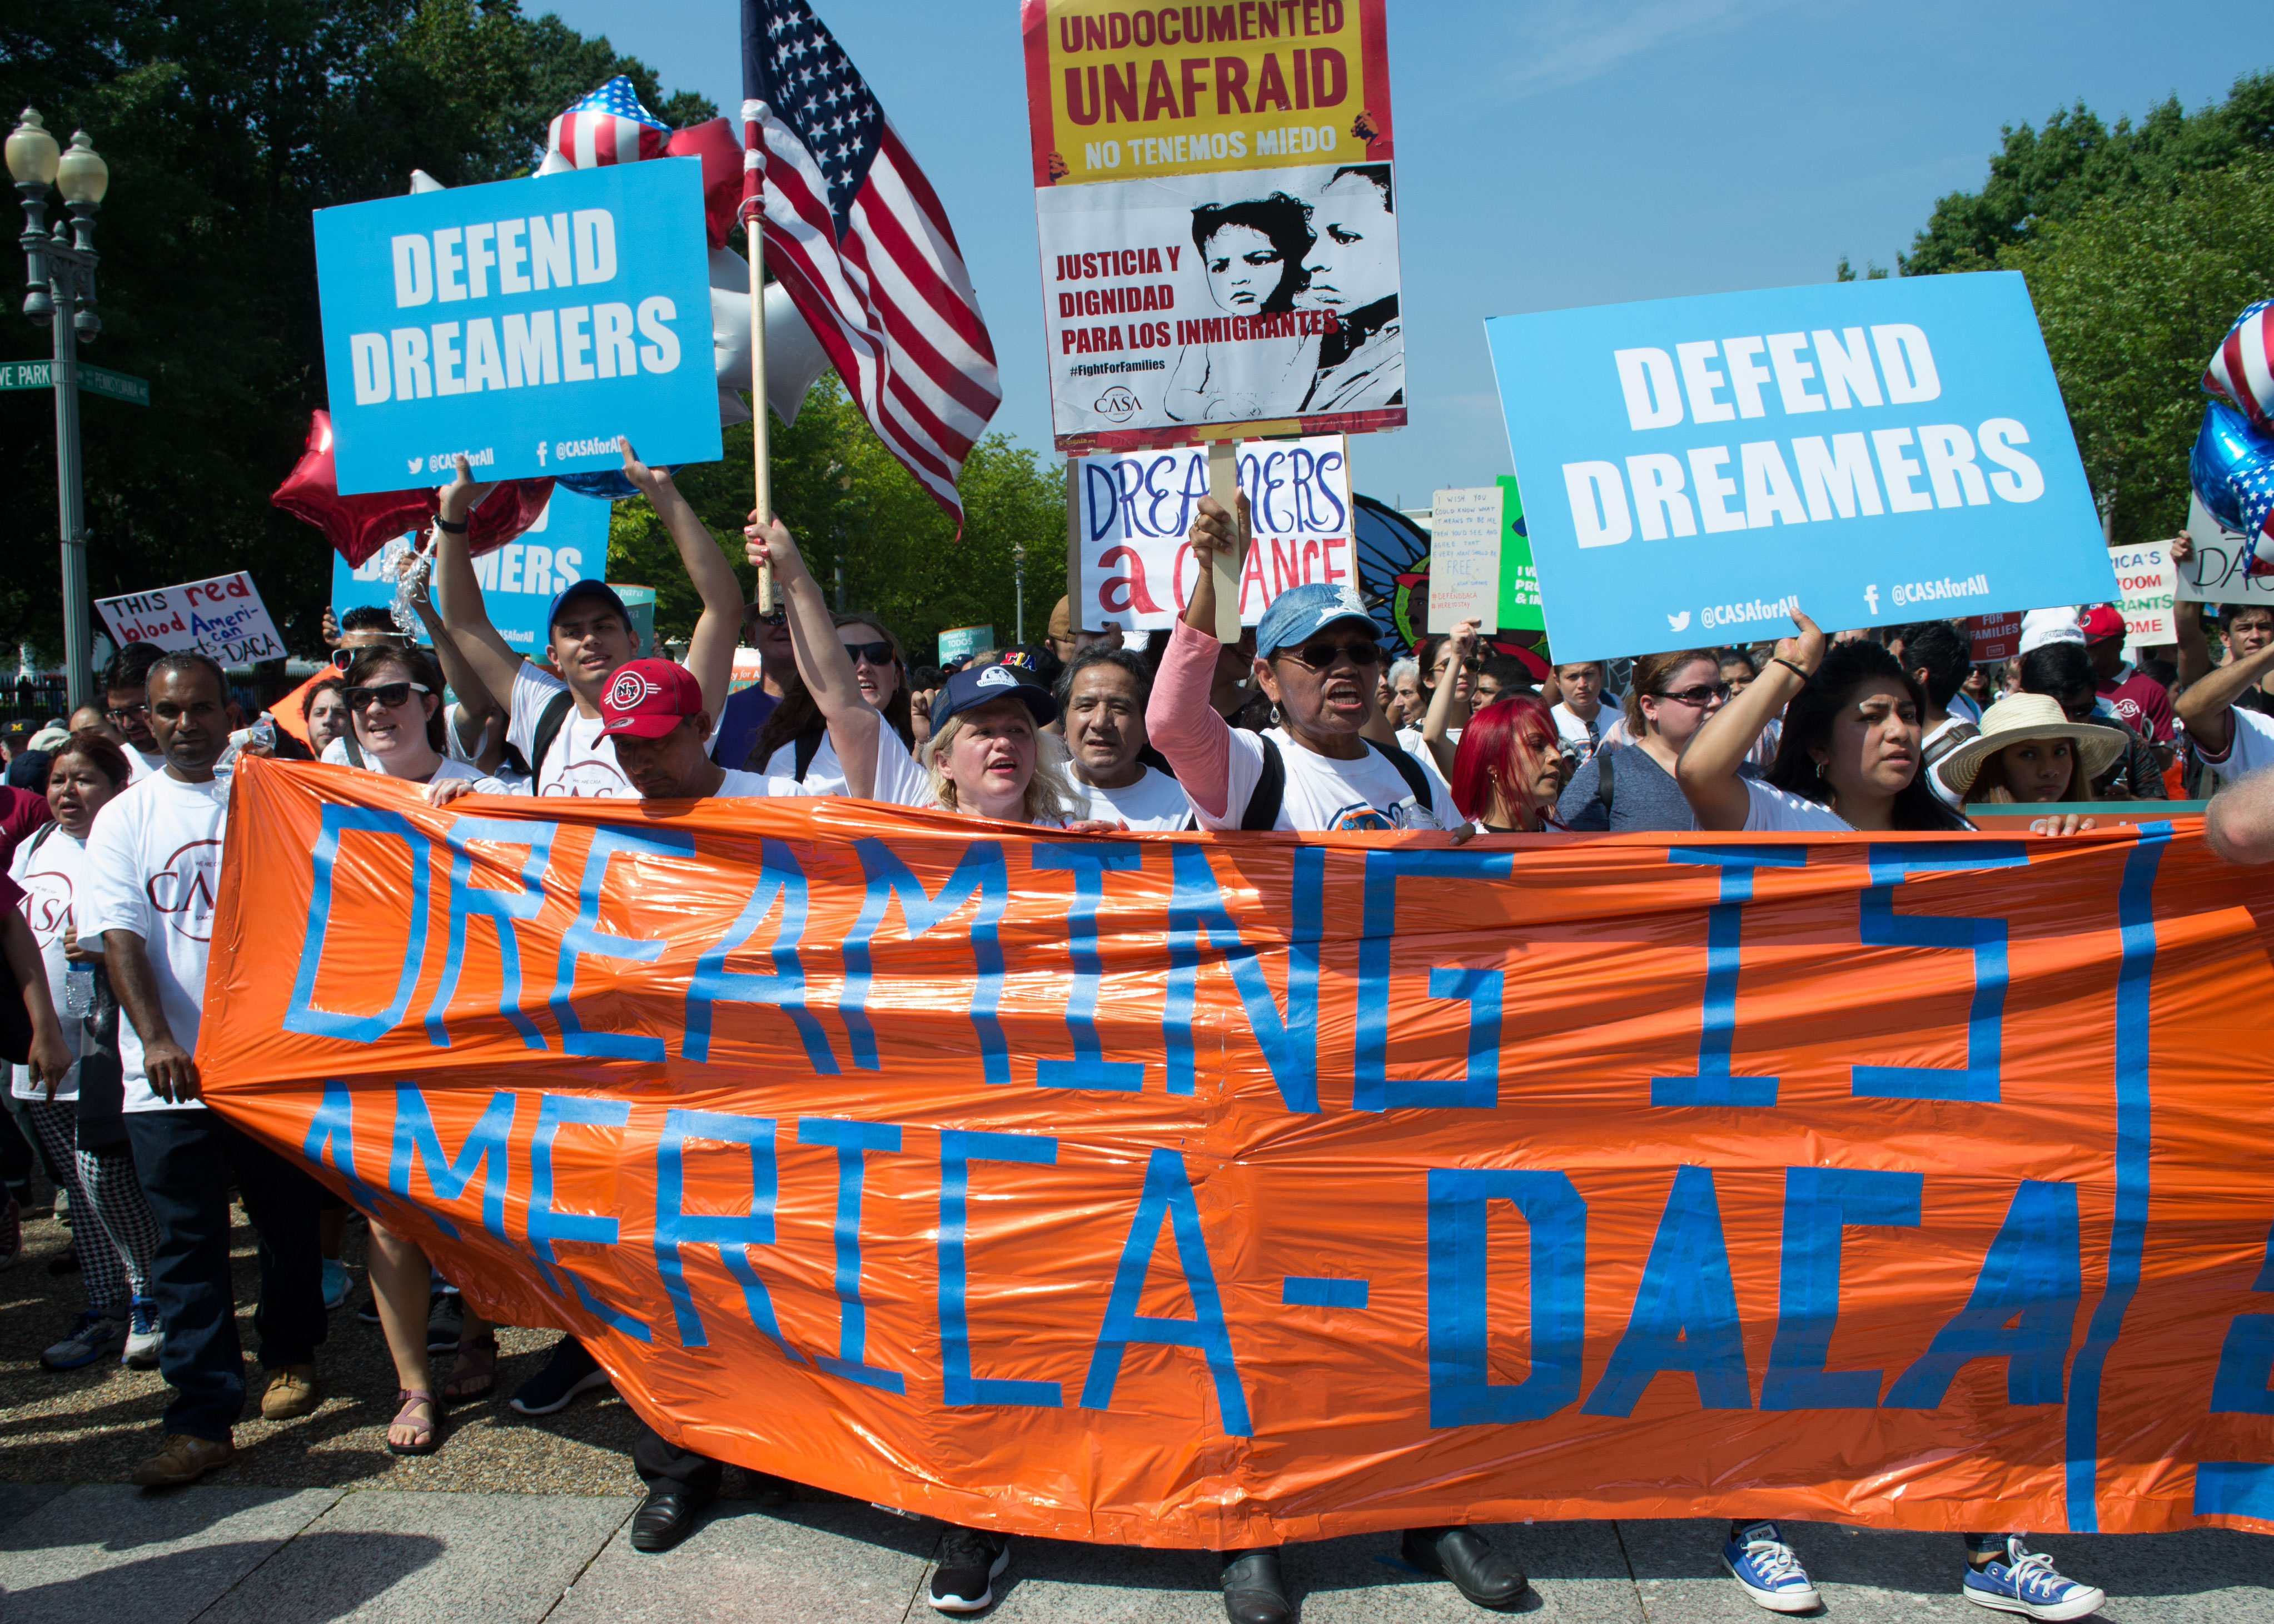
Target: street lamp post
1019,585
59,269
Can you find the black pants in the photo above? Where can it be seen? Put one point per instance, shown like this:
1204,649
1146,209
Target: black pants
185,1159
664,1465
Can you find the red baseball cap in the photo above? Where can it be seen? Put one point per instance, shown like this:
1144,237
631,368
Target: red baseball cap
647,698
2101,621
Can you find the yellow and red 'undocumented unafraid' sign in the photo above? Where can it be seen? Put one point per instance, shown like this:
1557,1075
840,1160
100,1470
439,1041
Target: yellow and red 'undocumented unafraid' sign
1219,1192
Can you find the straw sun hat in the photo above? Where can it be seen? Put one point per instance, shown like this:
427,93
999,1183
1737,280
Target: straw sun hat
2020,717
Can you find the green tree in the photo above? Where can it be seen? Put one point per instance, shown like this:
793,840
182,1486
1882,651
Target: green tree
852,506
226,124
2133,293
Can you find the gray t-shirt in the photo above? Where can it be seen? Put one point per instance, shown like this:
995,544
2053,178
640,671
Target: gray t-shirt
1644,795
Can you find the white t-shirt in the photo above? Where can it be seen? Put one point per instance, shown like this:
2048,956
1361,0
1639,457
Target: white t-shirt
1325,793
901,780
2249,746
1572,730
142,763
1780,811
744,785
1155,801
824,774
153,868
582,759
53,876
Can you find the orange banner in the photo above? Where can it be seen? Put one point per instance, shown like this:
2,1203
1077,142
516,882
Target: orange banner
1217,1191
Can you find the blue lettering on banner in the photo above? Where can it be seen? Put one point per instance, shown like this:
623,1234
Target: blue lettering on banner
1819,1203
1167,1198
2235,1489
1198,920
302,1015
2033,1275
586,937
333,1129
780,877
1372,1088
853,1140
1322,1291
1880,926
959,1148
1685,1311
1462,1392
547,1225
734,1234
485,1152
1714,1083
1089,862
502,908
2245,1360
979,873
2127,1232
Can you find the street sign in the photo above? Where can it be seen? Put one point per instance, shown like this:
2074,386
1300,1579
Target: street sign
91,379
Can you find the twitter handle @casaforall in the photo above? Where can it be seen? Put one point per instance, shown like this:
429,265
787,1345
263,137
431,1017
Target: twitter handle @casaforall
1747,614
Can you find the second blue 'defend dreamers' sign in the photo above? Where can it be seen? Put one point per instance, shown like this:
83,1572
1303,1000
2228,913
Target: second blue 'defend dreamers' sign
1870,453
525,323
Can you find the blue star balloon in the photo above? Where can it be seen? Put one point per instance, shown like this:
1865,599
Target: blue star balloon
2232,470
608,482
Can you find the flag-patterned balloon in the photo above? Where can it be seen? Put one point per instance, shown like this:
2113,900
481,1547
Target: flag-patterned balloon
609,126
2241,373
2232,469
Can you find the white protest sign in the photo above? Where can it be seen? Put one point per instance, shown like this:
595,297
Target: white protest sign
222,616
1132,511
2226,568
2146,580
1465,558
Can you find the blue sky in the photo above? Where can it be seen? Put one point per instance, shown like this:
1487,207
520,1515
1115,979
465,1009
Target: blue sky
1551,153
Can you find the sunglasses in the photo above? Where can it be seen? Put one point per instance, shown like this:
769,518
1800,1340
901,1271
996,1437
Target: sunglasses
1321,655
386,695
775,616
1472,666
342,658
877,654
1704,694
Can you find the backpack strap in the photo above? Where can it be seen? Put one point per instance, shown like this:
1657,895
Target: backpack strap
1270,793
1409,770
1951,739
807,746
550,721
1604,787
355,754
40,838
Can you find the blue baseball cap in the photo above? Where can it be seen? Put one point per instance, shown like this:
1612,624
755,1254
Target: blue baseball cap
967,691
587,588
1299,611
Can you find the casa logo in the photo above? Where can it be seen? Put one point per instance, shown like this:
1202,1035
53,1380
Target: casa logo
1358,817
1117,403
996,676
184,890
629,690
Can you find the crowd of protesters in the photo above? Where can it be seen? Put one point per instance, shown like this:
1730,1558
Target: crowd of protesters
114,825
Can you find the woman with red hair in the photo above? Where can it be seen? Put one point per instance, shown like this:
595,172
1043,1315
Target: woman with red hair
1509,770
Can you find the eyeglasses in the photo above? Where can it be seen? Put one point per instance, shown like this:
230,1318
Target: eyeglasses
1321,655
386,695
120,714
775,616
1472,666
1704,694
877,654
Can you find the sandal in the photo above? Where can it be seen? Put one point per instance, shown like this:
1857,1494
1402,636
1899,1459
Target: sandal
428,1433
468,1380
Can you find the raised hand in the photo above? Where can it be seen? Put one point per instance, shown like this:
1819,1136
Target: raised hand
1215,531
462,495
652,482
1805,651
771,542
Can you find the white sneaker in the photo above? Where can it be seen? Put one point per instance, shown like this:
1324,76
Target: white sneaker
146,1338
93,1336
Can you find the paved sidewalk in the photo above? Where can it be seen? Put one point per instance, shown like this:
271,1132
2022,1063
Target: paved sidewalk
241,1554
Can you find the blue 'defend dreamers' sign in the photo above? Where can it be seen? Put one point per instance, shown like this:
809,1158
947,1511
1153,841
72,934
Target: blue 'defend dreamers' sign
526,324
1871,453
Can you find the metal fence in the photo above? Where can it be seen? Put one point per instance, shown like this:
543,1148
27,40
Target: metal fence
31,703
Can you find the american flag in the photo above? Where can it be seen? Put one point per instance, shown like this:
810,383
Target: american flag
856,235
609,126
2242,372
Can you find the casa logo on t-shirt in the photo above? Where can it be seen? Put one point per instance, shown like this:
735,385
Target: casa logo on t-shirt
47,903
1359,817
184,889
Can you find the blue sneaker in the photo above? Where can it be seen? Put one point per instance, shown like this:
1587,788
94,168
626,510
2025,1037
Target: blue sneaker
146,1338
2024,1582
1766,1570
337,1283
93,1336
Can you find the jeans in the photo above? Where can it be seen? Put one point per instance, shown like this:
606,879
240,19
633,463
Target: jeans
186,1160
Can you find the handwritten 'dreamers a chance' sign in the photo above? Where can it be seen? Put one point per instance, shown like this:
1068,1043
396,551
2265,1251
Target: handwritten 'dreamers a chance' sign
525,324
1218,218
1868,451
222,616
1220,1191
1132,511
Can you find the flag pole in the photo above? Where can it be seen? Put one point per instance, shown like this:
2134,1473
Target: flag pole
759,436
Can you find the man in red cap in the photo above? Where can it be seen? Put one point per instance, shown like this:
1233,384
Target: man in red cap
2138,700
652,712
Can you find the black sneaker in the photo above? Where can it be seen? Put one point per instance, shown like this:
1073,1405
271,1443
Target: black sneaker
367,1312
963,1581
570,1372
445,1323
